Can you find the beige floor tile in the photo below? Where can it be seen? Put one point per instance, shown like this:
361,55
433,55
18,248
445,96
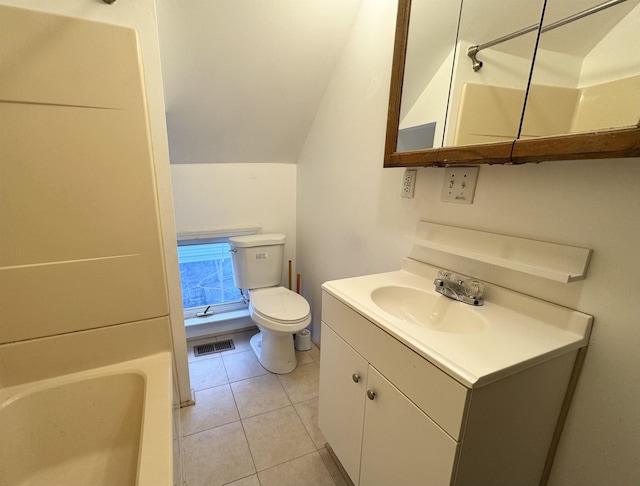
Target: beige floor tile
259,395
314,352
217,456
308,413
214,407
241,366
304,357
302,383
337,476
307,470
248,481
276,437
240,340
207,373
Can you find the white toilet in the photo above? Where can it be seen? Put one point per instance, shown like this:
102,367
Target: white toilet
278,312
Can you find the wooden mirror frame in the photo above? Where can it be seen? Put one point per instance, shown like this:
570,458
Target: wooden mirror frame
602,144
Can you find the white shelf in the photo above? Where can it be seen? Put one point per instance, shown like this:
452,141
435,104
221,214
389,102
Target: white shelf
552,261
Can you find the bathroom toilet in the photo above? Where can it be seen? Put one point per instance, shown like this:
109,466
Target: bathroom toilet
278,312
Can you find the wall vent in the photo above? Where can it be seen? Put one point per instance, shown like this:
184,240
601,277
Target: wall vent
210,348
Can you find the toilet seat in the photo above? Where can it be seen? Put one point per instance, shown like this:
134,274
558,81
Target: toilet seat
279,309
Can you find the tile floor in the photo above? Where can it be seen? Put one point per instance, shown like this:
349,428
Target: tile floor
250,427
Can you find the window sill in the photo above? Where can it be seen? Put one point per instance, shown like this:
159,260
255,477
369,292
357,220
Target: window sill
197,327
220,317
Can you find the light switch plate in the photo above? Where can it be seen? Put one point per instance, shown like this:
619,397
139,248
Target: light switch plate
459,184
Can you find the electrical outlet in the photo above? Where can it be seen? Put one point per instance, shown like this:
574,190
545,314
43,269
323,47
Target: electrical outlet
459,184
408,183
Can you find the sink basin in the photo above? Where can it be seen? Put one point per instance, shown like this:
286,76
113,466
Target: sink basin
428,310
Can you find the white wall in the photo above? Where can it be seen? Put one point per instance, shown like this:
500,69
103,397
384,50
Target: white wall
141,16
364,227
226,196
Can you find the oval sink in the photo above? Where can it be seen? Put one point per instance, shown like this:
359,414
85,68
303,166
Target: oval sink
429,310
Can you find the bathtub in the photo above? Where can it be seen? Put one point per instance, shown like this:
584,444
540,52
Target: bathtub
104,426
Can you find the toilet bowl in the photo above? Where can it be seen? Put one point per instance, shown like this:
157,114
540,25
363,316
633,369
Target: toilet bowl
278,312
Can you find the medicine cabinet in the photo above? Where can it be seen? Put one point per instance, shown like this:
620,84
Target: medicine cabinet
497,81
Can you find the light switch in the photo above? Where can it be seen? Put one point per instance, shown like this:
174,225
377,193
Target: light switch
459,184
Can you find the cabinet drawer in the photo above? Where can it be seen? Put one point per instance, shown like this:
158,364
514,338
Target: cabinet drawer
433,391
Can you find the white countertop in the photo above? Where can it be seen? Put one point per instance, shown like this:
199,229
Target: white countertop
520,331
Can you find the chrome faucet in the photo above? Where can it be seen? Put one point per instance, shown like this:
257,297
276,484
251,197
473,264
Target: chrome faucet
468,291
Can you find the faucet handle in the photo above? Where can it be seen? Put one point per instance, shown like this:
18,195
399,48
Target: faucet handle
446,276
473,288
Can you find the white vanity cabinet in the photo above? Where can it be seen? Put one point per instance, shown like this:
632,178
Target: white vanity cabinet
393,418
343,389
398,438
371,421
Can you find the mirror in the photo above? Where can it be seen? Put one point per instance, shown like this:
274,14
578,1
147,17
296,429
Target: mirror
488,88
433,28
487,111
587,70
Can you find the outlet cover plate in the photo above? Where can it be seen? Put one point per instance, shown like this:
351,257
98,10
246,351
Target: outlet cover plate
459,184
408,183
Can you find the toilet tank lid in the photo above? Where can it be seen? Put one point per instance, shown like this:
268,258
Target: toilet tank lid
257,240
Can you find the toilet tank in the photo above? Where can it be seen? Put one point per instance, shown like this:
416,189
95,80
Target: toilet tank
257,260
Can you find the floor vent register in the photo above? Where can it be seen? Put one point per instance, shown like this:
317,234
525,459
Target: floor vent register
211,348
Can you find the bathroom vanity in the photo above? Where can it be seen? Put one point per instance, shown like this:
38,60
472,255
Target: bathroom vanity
416,388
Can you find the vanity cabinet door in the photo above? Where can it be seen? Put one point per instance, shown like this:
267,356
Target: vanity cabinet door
343,379
401,445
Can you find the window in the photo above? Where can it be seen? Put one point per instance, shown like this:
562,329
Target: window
206,276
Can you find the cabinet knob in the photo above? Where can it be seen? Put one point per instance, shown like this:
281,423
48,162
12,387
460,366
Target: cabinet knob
356,378
371,394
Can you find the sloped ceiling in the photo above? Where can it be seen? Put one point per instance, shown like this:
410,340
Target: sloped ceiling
243,78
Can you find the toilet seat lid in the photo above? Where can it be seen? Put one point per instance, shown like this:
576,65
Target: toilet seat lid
279,303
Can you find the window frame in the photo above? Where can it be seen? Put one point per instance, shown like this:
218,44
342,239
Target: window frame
204,238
